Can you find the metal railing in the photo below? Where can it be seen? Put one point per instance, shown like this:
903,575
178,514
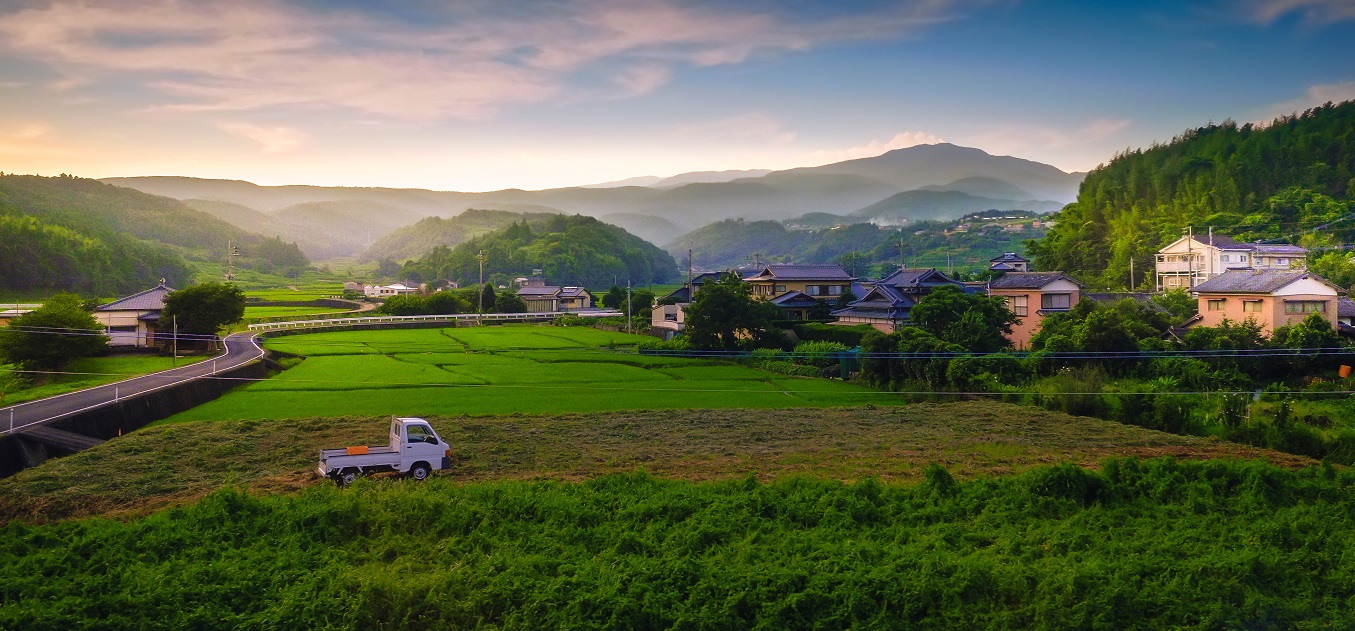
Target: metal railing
459,317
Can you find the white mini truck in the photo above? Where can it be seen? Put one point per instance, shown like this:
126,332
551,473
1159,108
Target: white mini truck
415,450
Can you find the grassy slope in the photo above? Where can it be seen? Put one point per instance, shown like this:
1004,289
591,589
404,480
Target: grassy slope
176,464
88,372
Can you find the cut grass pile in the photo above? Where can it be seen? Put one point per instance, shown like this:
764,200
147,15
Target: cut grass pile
88,372
528,369
174,464
1156,545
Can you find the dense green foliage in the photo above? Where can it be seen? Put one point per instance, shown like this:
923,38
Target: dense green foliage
438,303
976,323
204,308
74,234
419,238
1153,545
51,335
725,316
1292,180
570,250
863,249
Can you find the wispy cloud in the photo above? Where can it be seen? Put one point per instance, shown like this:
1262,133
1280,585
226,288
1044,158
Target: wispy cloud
31,140
1013,139
467,59
1312,97
270,139
1314,12
901,140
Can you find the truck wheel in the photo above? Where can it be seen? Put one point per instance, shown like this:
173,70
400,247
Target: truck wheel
420,471
347,477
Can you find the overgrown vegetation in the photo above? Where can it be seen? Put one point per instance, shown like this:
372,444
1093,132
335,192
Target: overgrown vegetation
1161,544
1291,180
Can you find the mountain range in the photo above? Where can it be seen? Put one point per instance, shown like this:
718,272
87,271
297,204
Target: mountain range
939,181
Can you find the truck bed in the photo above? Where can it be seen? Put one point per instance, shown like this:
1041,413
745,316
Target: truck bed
326,454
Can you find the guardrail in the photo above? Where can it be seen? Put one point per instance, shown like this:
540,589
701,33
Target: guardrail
459,317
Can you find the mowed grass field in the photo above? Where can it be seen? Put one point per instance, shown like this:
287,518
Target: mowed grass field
176,464
495,370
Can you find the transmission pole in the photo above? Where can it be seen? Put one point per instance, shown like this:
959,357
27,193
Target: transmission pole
480,256
628,315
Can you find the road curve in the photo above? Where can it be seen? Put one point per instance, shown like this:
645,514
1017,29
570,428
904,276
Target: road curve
240,349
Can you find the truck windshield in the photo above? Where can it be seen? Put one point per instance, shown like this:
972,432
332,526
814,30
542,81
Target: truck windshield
419,434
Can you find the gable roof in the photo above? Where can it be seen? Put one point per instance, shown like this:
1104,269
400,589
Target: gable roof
907,279
573,292
539,291
1029,280
1228,243
802,272
1255,281
152,299
794,299
1009,257
1345,307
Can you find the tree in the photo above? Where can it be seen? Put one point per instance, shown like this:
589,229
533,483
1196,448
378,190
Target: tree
724,315
49,336
615,298
975,323
487,295
203,309
510,302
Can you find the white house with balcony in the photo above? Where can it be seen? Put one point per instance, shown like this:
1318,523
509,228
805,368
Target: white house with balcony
1191,260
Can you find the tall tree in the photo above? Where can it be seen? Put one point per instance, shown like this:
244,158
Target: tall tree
975,323
725,316
51,335
203,309
487,295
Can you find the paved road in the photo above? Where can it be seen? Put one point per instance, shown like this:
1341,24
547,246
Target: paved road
240,348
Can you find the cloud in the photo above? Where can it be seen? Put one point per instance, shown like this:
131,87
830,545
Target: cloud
1314,96
270,139
900,140
1313,12
31,140
1015,140
466,59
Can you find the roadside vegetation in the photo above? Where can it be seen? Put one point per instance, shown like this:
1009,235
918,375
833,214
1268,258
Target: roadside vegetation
1138,545
17,386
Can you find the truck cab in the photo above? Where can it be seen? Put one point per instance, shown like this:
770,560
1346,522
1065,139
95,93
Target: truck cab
415,449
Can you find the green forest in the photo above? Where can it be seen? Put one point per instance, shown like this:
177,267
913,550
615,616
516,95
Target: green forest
73,234
1157,544
1290,181
570,250
419,238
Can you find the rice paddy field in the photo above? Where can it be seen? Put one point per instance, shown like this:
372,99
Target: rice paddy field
278,312
518,369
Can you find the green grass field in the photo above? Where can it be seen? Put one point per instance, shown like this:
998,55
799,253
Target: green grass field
276,312
89,372
506,370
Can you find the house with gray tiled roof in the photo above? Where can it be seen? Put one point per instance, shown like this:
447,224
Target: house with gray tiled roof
1191,260
822,282
134,321
886,303
1032,296
549,298
1009,262
1271,298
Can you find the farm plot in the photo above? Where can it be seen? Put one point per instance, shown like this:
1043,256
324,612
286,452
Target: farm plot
505,370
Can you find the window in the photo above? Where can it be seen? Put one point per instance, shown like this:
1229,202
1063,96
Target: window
419,434
1305,306
1251,306
1056,301
1281,261
1216,304
1020,305
780,289
812,290
835,290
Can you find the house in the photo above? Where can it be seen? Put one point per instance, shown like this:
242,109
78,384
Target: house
382,292
666,321
1271,298
9,312
1009,262
575,298
797,305
134,321
1032,296
822,282
530,281
1345,315
540,299
886,303
549,298
1191,260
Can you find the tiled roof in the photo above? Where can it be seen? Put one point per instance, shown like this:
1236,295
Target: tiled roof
1280,249
916,278
538,291
1345,307
1028,280
1228,243
802,272
1009,257
573,291
794,299
1001,267
152,299
1253,281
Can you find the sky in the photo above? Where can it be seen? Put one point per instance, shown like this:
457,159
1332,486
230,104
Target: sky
484,95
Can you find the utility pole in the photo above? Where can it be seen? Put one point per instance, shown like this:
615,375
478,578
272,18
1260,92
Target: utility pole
1131,272
480,256
174,361
691,290
903,263
628,315
231,253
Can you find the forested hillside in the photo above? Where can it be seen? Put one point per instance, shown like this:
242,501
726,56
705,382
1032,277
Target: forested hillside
571,250
72,234
421,237
1288,182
